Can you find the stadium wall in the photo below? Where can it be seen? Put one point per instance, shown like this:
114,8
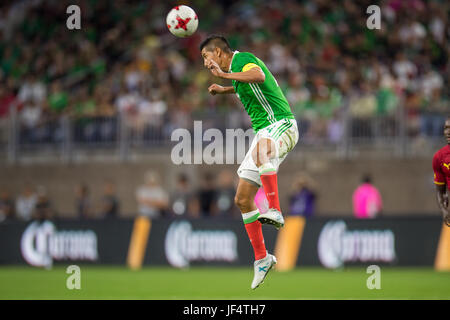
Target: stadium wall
406,186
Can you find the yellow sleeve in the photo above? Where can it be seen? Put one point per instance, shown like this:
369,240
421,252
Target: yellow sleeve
249,66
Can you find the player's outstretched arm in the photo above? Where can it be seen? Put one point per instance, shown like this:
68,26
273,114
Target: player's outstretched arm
217,89
254,75
442,200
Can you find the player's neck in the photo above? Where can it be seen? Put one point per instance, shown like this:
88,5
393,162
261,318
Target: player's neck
228,60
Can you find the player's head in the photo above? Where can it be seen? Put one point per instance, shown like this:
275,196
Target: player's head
447,130
366,178
218,49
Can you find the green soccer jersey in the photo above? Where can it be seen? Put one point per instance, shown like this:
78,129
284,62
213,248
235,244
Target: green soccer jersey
264,102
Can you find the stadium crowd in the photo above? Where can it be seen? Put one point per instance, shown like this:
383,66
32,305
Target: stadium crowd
123,61
212,197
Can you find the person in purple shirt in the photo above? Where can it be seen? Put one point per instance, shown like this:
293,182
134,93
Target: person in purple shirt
303,198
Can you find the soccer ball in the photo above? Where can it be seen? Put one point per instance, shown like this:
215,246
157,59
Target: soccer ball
182,21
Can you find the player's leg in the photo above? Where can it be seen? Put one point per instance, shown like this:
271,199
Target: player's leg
244,199
264,155
270,150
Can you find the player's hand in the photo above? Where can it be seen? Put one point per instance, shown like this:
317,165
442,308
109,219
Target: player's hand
215,89
214,68
447,219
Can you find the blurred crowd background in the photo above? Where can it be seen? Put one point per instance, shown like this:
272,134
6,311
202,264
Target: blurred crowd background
123,61
123,69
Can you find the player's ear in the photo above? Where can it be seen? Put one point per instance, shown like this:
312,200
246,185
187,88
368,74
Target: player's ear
217,51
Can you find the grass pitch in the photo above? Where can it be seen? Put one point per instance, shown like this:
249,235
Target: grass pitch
100,282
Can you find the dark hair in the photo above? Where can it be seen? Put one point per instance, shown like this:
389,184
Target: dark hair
214,41
366,178
183,178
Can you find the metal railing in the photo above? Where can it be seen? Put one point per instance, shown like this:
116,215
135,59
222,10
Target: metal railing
65,137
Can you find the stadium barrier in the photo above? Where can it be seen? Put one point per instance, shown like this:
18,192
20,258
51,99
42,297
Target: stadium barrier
68,136
331,243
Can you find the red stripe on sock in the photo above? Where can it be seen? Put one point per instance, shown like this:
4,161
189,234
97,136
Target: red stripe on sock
270,185
254,231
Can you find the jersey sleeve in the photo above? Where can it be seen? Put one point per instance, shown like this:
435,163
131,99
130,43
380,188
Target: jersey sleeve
244,62
439,178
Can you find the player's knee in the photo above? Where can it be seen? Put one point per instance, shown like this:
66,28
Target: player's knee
241,201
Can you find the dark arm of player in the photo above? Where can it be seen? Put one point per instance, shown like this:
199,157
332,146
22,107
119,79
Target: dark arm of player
254,75
442,199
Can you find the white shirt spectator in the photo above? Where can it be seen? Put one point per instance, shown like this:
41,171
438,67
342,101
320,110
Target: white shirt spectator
430,82
25,205
412,32
30,115
127,102
151,197
32,90
437,29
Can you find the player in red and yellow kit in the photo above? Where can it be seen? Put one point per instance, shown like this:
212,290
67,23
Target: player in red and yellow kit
441,168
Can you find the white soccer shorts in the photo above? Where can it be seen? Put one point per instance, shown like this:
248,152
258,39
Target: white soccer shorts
284,134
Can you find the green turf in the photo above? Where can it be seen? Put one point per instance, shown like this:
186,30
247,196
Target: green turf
221,283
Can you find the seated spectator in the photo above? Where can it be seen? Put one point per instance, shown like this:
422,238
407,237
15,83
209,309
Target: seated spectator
109,207
6,206
182,198
43,209
261,201
152,199
83,205
225,194
32,89
207,195
367,202
26,203
302,201
30,118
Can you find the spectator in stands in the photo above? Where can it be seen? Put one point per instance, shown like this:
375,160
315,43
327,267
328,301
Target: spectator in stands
6,206
7,101
367,202
226,192
207,195
183,200
332,44
261,201
32,90
43,209
109,206
30,118
26,203
83,205
152,199
302,201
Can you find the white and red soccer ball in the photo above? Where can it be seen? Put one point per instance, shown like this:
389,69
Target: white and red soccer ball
182,21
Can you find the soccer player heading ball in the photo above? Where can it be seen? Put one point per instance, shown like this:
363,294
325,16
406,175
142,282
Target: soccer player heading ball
276,134
441,168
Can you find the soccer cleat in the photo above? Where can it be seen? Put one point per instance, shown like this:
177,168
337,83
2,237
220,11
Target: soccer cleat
273,217
262,268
